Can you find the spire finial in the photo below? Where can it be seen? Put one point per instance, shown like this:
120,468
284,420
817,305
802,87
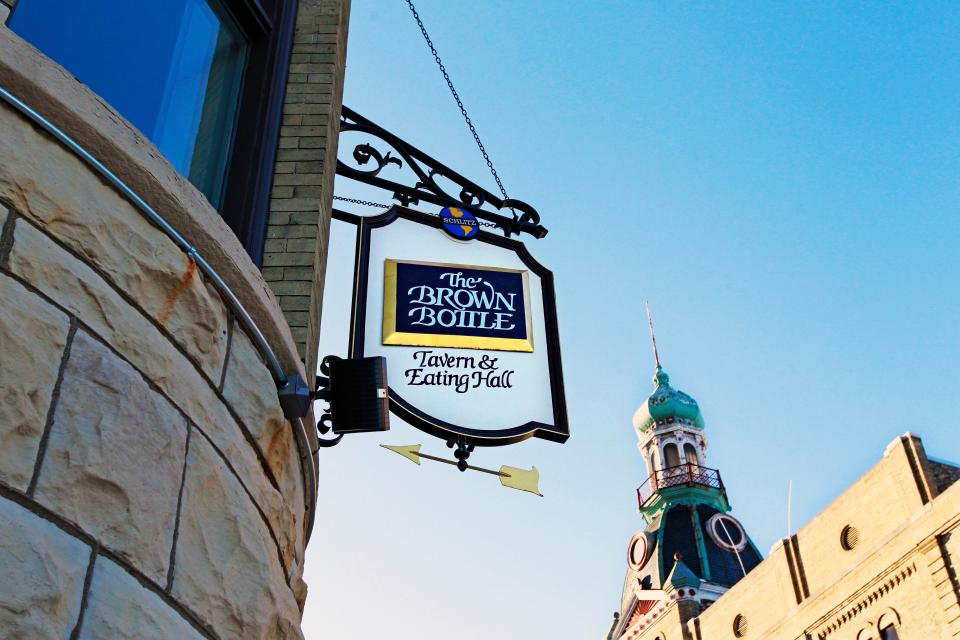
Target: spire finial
653,337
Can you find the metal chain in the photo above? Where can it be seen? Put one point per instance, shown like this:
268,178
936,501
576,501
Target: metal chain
363,202
456,97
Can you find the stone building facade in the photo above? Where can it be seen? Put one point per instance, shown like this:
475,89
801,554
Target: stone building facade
881,562
151,485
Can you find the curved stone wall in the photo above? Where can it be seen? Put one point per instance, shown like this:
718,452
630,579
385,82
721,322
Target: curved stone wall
150,486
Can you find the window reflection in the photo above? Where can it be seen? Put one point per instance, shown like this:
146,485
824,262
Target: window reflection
174,69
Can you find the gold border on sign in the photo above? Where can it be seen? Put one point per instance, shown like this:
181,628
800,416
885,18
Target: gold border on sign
393,337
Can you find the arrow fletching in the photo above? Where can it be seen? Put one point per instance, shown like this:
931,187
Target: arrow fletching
521,479
410,451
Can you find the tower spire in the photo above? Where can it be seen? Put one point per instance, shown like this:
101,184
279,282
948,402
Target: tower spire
653,337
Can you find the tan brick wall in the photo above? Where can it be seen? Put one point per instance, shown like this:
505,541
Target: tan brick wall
150,486
764,597
295,254
877,505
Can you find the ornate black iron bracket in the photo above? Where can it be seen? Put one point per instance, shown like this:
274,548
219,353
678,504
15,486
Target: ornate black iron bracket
473,198
355,391
322,391
465,447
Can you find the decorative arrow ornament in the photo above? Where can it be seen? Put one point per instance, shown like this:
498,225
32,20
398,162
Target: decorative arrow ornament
410,452
512,477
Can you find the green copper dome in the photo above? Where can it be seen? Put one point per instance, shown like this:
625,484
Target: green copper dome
667,404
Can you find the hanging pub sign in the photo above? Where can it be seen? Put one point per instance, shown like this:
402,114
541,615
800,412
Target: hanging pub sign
467,323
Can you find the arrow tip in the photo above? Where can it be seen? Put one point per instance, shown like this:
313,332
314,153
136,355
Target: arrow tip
410,452
521,479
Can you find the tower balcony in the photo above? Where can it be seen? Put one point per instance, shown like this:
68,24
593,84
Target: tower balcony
683,475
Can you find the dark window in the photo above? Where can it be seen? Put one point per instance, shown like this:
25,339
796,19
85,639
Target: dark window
202,79
690,453
671,455
889,632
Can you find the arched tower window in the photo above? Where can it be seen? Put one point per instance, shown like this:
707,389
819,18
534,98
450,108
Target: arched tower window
690,453
671,455
652,467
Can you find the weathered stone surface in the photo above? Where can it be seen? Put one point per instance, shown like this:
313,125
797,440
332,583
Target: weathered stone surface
43,570
76,287
93,123
226,565
300,589
294,493
118,608
250,390
114,460
32,338
294,490
277,508
291,484
60,194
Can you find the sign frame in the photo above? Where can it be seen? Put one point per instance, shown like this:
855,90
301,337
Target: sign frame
558,432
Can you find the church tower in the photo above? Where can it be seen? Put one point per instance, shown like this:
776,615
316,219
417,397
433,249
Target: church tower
691,549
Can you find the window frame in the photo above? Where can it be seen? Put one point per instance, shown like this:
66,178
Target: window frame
269,27
725,541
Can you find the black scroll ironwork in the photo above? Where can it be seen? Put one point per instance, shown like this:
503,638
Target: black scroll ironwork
322,392
523,218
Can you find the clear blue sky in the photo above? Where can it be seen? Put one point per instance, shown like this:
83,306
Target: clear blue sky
780,180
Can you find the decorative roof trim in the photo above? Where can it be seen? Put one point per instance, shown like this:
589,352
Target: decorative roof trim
823,630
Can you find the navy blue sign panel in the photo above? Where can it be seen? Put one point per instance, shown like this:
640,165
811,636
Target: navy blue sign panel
460,224
454,305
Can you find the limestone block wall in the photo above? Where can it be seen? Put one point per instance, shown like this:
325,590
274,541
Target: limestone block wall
150,486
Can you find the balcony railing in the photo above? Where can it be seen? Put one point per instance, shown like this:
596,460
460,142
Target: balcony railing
683,475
